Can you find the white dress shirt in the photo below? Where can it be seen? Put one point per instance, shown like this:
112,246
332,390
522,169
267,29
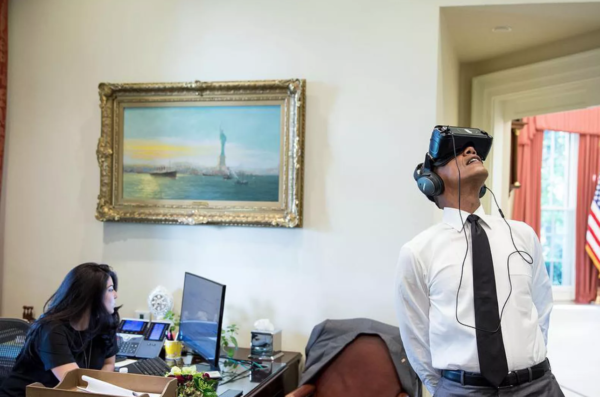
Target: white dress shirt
427,280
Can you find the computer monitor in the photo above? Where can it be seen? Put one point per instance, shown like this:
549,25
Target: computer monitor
202,317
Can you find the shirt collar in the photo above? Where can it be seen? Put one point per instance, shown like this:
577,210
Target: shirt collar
452,217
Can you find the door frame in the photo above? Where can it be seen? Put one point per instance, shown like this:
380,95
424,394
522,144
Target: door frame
557,85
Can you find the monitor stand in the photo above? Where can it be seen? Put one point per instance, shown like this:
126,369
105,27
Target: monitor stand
202,365
205,367
209,370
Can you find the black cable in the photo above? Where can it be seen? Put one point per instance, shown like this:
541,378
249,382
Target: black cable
242,361
530,261
236,377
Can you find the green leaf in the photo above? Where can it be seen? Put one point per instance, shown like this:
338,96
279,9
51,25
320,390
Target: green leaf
235,342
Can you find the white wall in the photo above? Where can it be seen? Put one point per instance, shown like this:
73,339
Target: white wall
371,71
364,100
448,77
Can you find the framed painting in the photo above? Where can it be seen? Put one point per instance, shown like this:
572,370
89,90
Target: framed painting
227,153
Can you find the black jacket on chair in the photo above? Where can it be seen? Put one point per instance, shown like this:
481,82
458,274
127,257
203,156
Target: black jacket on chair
330,337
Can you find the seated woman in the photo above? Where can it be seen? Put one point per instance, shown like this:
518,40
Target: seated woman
77,330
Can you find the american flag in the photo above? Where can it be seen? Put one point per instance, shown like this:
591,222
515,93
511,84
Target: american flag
592,237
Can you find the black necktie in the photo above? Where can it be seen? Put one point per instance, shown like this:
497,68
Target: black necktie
490,346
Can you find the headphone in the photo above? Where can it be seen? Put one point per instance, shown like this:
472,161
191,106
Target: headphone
430,183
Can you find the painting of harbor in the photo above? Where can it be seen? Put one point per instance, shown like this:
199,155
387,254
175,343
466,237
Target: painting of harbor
202,153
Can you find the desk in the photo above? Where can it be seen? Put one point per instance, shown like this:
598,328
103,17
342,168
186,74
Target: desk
275,379
278,379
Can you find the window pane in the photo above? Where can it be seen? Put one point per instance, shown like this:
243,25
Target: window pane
546,222
557,190
546,245
559,222
559,182
556,251
557,274
560,146
546,167
556,234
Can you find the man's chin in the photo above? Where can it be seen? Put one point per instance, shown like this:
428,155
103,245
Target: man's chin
483,174
476,170
475,176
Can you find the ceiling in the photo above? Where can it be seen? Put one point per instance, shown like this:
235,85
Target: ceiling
532,25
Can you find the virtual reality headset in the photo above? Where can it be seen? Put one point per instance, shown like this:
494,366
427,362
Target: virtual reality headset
445,139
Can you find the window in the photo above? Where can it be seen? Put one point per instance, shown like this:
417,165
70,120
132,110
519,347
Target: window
559,196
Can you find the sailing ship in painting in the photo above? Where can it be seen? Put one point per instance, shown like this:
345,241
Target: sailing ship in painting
164,173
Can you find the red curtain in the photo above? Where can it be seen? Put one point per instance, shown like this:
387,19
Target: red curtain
586,274
527,206
528,199
585,121
3,76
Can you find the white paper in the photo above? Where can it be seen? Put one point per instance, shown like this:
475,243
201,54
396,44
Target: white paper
101,387
124,363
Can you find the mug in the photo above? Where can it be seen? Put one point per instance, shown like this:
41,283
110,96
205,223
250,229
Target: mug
173,348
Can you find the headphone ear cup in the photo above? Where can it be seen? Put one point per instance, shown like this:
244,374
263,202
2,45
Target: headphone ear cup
482,191
438,183
430,184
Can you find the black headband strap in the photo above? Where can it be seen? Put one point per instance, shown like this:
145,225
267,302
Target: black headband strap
428,163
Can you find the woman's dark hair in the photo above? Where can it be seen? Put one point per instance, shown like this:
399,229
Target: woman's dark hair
82,289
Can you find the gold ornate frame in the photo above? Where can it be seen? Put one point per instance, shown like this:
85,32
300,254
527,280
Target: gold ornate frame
287,212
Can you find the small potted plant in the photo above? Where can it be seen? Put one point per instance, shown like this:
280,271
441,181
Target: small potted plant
229,343
173,345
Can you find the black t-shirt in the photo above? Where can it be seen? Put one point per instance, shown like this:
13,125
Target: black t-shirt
54,345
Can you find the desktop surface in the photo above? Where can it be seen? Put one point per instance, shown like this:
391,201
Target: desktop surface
246,377
277,378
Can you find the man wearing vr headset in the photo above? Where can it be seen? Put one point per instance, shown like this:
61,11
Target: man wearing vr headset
473,296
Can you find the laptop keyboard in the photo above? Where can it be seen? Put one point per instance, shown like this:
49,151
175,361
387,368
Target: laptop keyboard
151,366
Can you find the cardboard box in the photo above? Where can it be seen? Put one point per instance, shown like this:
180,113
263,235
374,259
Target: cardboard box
166,387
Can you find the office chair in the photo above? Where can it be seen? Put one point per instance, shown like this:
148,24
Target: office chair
12,338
